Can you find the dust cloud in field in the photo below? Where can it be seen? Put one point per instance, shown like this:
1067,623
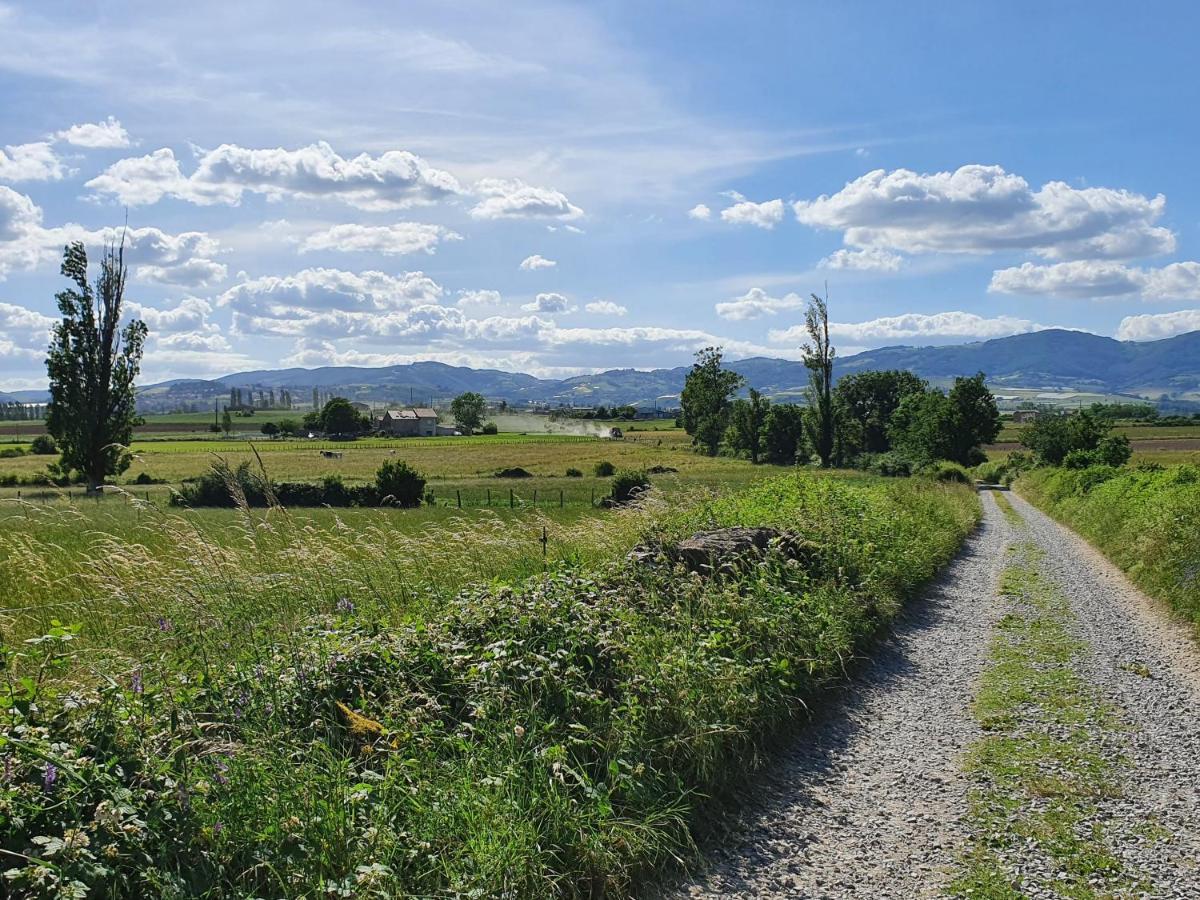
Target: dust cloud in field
545,425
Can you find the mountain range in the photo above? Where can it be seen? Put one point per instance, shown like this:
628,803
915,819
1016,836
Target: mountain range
1053,359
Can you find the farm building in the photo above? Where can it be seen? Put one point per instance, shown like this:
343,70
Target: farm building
419,421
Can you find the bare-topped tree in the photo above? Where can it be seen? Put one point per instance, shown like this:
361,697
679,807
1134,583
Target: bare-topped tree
92,363
818,358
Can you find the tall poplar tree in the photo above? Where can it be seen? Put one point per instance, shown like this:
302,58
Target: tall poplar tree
818,358
92,363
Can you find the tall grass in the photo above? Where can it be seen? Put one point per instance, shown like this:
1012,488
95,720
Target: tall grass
1144,520
556,736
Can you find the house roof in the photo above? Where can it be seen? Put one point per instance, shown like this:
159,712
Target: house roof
424,412
400,414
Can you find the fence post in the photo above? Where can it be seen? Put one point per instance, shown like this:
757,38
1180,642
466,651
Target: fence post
593,496
535,496
511,500
560,498
489,490
458,495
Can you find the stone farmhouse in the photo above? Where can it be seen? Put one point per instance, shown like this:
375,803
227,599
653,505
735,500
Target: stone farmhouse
415,421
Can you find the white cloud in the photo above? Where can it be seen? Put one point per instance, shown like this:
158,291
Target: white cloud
984,209
756,303
153,254
31,162
391,240
606,308
109,134
1099,278
189,315
315,290
25,328
549,303
763,215
916,325
511,198
478,298
872,259
390,181
700,212
537,261
1156,327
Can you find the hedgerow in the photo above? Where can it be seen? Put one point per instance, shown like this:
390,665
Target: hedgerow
1143,519
553,737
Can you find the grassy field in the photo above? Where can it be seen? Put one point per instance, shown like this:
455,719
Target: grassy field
1144,521
392,704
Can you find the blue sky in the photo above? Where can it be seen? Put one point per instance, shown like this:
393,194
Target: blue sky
556,188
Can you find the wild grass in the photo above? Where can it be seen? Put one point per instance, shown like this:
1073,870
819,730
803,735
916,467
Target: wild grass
1145,521
288,710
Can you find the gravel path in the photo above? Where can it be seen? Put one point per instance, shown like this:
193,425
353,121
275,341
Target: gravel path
1147,667
872,801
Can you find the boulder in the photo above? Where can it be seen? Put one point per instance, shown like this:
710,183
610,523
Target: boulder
725,549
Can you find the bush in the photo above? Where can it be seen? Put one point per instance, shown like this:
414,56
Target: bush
947,472
891,464
146,478
1080,459
1114,450
490,428
574,473
605,469
12,452
628,486
401,482
43,445
513,472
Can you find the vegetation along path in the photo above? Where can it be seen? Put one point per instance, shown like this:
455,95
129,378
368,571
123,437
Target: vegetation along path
1032,728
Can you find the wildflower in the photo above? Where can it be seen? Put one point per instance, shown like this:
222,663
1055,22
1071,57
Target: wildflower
75,839
519,731
344,605
165,624
50,777
221,777
136,681
218,827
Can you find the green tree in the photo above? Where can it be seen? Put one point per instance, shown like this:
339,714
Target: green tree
746,421
783,434
866,402
1052,434
226,421
932,426
338,416
92,363
818,358
468,410
289,427
270,429
705,400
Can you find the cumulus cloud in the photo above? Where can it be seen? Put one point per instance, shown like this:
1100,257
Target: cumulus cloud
511,198
756,303
391,240
955,324
606,308
549,303
763,215
478,298
109,134
392,180
1099,279
983,209
316,290
1156,327
872,259
24,328
154,255
31,162
537,261
700,212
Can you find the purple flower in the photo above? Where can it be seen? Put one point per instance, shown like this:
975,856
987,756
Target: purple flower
51,776
345,606
136,681
218,827
8,769
221,777
165,624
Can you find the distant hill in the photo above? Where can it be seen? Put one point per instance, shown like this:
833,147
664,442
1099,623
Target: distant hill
1054,359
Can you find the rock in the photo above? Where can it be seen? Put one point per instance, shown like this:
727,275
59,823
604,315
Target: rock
726,548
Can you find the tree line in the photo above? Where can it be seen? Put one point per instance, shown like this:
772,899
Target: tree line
891,421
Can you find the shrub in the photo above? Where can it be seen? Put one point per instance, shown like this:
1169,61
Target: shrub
12,452
605,469
1080,459
43,445
891,464
948,472
1114,450
400,481
513,472
574,473
491,428
147,478
629,485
